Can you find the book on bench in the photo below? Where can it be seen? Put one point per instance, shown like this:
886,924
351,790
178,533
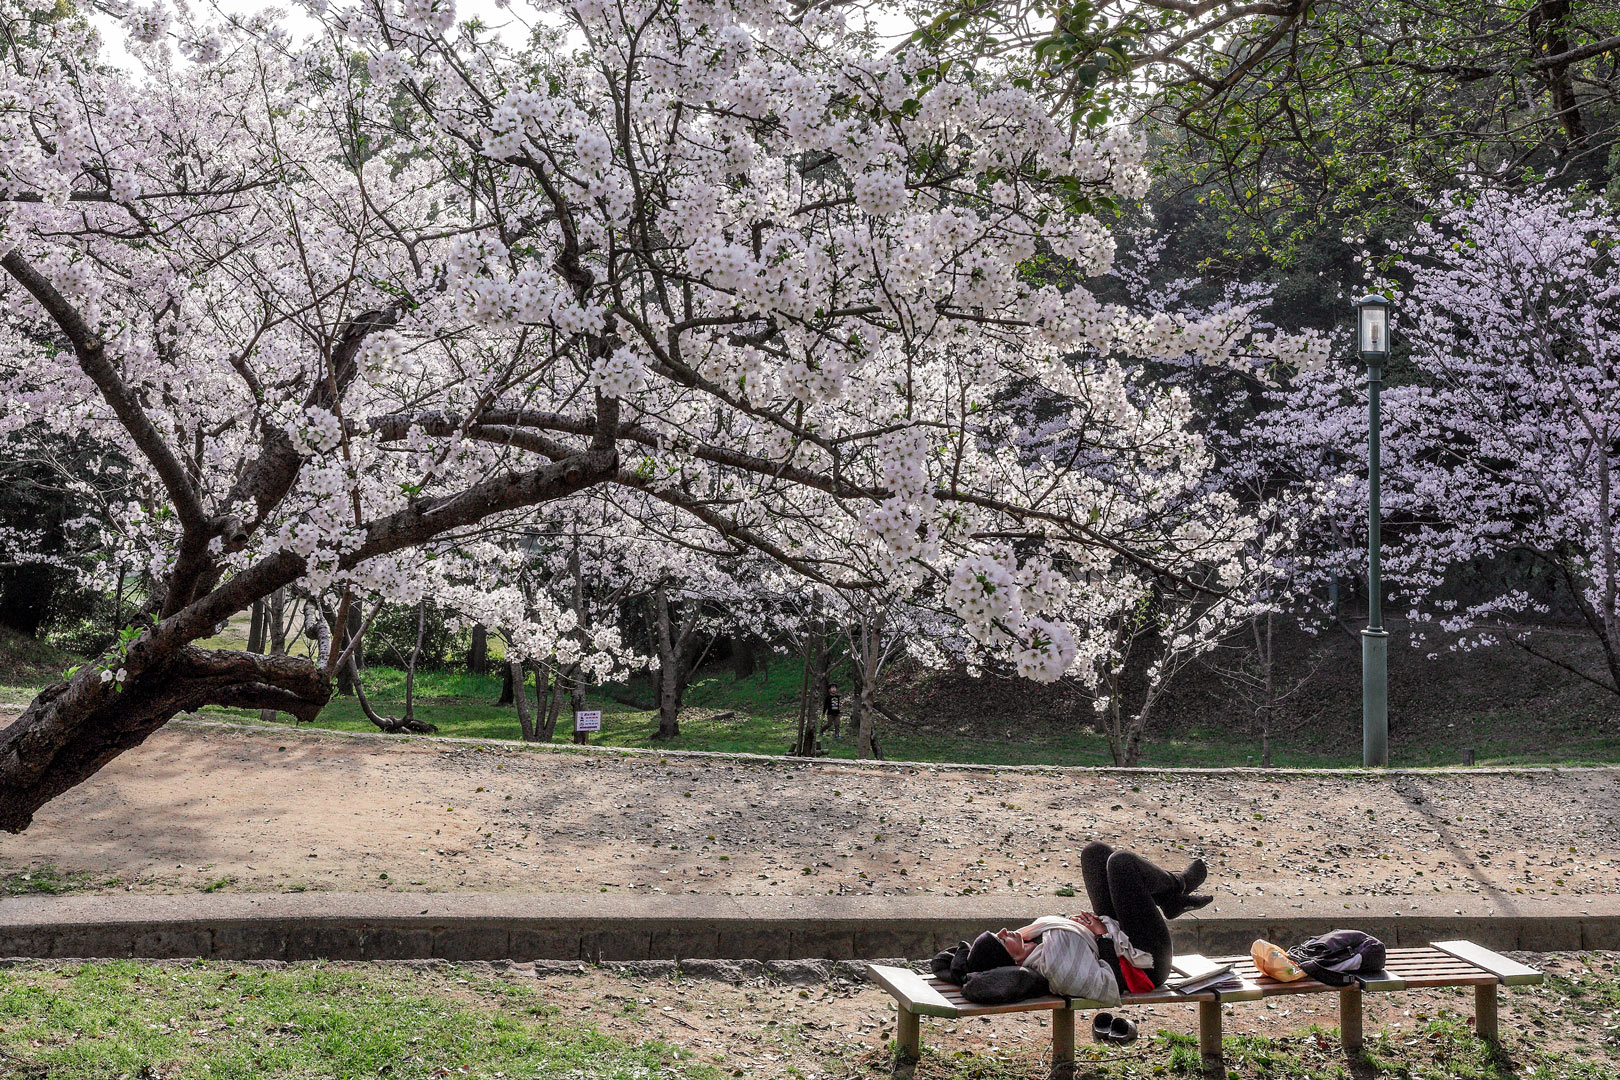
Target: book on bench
1210,977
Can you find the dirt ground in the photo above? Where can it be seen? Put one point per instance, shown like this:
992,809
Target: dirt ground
818,1021
266,810
782,1023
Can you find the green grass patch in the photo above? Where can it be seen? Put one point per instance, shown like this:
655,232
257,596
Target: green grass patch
233,1022
764,711
1537,730
46,881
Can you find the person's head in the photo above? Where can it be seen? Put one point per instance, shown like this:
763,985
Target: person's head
1014,943
832,688
994,949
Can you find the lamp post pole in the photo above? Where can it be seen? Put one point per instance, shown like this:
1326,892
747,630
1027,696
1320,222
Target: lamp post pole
1372,333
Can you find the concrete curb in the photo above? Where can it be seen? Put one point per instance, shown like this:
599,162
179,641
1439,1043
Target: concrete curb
787,762
597,928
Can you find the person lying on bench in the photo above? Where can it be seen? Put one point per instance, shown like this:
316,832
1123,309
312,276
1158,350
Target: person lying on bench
1121,946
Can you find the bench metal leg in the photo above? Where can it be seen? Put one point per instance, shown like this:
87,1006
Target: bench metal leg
1062,1040
1350,1018
1485,1012
908,1035
1209,1035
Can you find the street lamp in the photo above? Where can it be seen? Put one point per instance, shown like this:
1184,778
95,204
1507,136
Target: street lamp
1372,342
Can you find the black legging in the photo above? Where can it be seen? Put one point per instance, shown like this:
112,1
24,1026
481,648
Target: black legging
1127,888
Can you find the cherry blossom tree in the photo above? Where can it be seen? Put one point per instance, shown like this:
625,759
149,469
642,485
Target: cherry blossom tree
355,303
1508,445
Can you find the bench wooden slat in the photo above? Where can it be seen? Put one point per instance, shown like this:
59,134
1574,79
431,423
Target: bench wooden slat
1479,978
1508,972
912,991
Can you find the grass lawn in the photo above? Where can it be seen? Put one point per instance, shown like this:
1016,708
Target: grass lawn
223,1021
763,709
125,1019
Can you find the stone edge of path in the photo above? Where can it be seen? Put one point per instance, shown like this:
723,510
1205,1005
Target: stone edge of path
1248,772
609,928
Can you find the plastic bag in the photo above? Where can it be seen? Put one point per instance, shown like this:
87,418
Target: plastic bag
1271,960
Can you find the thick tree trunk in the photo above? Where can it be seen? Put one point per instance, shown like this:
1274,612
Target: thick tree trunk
275,629
544,708
506,686
1609,564
514,677
255,641
73,728
349,672
410,667
1549,24
1113,725
1268,689
868,662
669,681
478,650
1133,737
814,690
554,706
576,701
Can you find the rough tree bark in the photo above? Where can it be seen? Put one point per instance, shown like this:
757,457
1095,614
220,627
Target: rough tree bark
814,691
478,650
868,655
559,694
514,676
275,629
673,642
255,641
410,667
506,686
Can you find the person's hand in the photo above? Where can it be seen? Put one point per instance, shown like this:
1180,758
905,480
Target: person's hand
1092,923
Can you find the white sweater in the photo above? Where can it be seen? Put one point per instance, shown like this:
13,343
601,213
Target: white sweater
1066,953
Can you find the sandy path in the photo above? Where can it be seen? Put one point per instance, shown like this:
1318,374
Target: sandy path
275,809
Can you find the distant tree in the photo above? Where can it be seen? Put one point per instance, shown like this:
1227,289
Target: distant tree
1511,445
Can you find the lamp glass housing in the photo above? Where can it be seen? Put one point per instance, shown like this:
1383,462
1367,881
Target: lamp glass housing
1372,326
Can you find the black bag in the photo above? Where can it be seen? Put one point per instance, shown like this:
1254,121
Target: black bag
1339,958
1004,985
951,965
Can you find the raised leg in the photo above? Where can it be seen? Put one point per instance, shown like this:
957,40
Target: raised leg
908,1035
1209,1035
1485,1012
1062,1039
1350,1019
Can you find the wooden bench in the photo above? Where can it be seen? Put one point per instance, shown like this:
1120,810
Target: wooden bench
1445,963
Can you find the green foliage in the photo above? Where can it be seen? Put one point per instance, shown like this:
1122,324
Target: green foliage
1348,127
393,635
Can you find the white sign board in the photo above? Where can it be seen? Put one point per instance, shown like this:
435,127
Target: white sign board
588,720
